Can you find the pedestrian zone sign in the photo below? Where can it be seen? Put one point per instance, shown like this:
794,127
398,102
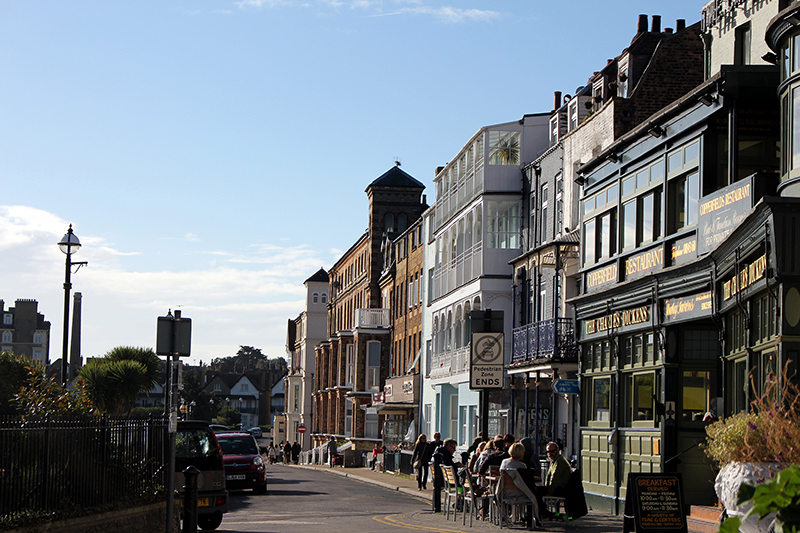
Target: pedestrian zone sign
486,361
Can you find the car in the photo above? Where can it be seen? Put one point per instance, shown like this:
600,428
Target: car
256,432
196,445
245,468
216,428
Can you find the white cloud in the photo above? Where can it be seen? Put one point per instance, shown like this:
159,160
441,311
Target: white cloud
245,300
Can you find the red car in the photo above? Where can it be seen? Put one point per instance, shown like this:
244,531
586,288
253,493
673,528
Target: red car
245,468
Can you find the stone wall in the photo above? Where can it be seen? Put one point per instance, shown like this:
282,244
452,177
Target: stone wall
145,519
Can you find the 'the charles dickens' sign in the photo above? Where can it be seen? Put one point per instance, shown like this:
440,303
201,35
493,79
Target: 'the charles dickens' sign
654,502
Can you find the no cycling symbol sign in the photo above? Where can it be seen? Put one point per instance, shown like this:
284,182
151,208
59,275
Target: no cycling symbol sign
486,361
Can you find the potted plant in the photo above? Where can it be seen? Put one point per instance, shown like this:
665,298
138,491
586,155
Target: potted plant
753,447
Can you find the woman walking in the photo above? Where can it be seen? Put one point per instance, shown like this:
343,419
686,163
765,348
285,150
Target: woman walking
420,460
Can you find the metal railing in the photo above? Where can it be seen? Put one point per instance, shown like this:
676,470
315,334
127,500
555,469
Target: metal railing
547,339
372,318
60,466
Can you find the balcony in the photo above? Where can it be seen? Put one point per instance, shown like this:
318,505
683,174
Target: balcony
545,340
372,318
450,363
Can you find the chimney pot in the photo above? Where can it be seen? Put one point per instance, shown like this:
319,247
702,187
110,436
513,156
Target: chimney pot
668,30
680,24
656,26
641,27
556,99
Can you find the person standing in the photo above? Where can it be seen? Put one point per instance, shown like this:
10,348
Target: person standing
420,460
272,454
332,451
287,453
296,448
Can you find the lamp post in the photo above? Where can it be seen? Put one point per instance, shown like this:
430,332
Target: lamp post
69,244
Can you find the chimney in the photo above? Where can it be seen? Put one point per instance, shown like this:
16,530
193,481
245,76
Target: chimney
556,100
641,27
656,28
75,360
680,24
668,30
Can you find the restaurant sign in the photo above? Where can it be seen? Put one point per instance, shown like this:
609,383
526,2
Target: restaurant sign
749,274
616,320
644,263
688,307
602,276
721,212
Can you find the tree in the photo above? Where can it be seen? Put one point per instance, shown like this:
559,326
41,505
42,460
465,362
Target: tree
42,397
15,372
113,382
228,416
193,392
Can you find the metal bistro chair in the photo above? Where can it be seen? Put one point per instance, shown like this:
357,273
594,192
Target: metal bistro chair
452,496
521,496
471,498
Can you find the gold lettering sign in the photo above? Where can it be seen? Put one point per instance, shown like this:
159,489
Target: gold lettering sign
645,262
725,200
629,317
748,275
685,248
601,276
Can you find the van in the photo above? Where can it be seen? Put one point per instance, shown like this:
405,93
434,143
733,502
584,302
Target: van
196,445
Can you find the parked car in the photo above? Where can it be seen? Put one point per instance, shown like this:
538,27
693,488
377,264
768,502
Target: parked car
216,428
196,445
256,432
245,468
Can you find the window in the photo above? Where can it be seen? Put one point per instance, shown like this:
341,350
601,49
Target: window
503,224
573,114
7,336
38,355
428,415
454,416
373,365
217,387
504,147
348,417
684,201
8,319
314,298
349,365
545,202
37,338
296,398
324,298
642,394
389,220
742,44
698,395
371,424
628,224
600,408
588,242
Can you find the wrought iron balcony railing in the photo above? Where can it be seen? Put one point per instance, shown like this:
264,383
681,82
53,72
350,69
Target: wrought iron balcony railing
547,339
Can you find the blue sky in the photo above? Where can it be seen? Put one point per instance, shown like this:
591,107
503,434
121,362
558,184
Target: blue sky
212,155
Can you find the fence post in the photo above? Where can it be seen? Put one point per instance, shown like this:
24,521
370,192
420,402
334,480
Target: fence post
190,474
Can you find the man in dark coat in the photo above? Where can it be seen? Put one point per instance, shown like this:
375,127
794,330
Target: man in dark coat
287,453
443,456
296,448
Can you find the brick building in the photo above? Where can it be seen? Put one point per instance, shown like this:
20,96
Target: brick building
354,361
24,331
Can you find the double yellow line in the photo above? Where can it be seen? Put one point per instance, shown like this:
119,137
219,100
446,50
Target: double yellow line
391,521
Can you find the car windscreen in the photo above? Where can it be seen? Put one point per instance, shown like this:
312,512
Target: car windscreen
190,443
238,445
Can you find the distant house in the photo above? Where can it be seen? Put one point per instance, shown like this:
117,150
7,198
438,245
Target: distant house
24,331
244,392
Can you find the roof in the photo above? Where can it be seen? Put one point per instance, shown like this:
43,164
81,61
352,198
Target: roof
396,177
319,275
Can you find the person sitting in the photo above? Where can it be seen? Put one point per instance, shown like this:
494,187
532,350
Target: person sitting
557,478
495,458
518,492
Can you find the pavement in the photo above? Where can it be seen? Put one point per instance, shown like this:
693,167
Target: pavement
594,522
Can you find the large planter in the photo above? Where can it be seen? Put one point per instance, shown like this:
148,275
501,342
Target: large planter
727,484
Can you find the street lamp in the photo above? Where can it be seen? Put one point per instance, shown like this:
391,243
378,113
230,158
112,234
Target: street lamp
69,244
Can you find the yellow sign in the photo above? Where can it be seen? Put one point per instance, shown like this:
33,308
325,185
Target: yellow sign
747,276
601,276
628,317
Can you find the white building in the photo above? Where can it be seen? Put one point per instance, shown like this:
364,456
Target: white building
304,332
474,232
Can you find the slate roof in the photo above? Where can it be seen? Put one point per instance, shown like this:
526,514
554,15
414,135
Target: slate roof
320,275
396,177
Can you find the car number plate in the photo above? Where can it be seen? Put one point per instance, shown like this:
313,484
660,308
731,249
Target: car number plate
235,477
201,502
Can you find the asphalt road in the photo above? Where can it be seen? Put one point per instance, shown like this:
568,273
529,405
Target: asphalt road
309,501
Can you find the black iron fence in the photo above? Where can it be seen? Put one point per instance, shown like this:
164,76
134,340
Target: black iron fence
547,339
62,466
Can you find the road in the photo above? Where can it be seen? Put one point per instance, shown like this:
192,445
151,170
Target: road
312,501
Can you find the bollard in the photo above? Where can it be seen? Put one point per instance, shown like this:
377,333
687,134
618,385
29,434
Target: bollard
190,474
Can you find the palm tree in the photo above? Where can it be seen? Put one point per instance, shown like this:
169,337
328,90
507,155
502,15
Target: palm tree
112,382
